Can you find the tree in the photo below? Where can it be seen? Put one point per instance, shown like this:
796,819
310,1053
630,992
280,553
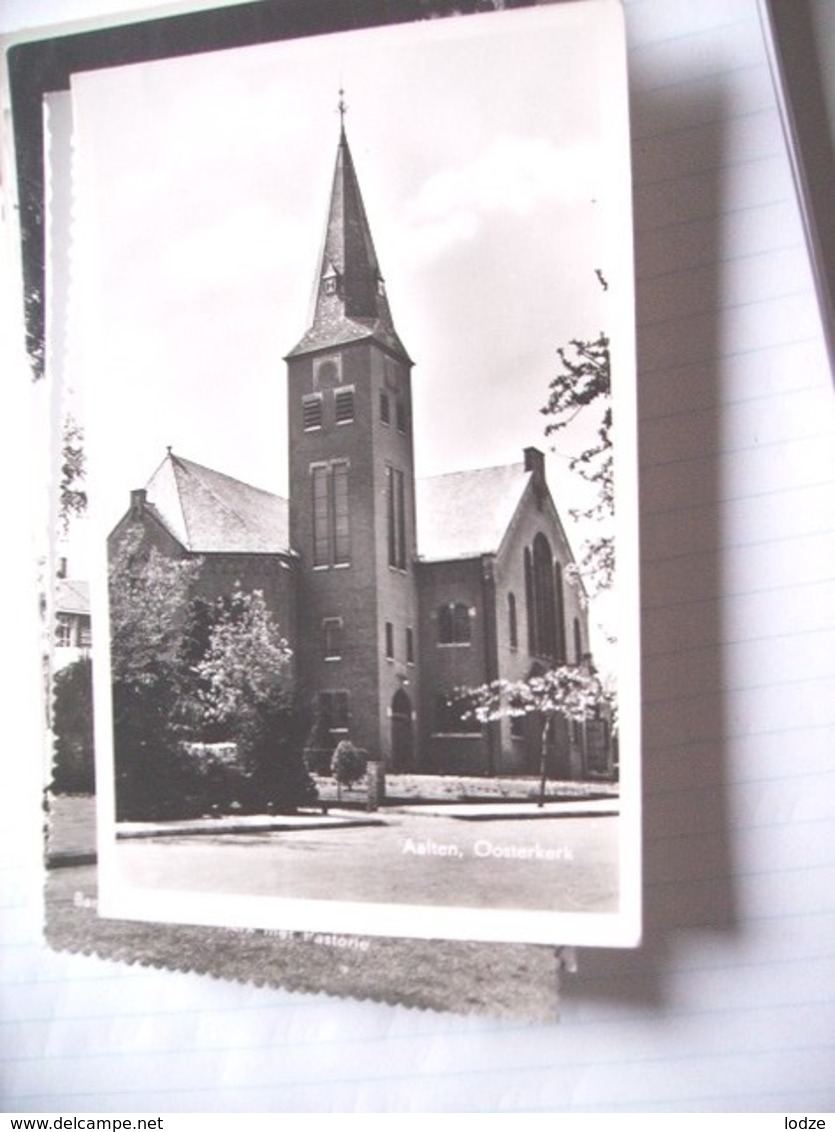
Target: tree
243,679
242,691
72,498
149,595
573,692
584,385
73,769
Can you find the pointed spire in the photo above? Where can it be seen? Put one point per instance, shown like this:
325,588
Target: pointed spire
350,294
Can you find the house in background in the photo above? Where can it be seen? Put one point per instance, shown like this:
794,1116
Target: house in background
392,593
72,620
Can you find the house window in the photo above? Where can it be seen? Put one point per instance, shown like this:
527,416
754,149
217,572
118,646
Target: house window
454,624
63,631
410,646
330,284
85,635
451,718
396,513
512,627
333,637
400,415
344,405
312,412
385,407
331,517
517,727
389,641
334,709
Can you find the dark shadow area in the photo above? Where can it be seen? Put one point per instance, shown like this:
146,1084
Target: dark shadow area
677,153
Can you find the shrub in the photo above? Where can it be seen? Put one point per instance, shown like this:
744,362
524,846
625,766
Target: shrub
348,764
73,770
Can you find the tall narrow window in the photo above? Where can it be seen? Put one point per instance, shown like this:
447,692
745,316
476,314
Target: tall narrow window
331,516
341,527
389,641
396,517
512,628
530,605
385,407
321,524
400,415
333,637
543,581
401,519
562,654
410,646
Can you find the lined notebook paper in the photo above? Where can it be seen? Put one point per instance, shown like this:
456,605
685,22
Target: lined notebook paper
730,1002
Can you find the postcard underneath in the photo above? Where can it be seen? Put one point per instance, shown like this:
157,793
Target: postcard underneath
353,319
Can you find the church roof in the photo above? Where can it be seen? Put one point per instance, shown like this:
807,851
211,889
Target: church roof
350,302
209,512
463,514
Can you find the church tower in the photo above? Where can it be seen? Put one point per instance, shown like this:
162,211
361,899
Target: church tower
352,495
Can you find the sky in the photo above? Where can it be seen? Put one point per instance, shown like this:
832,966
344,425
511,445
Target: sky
486,153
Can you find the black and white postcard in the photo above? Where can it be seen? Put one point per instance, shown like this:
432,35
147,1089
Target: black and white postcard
351,319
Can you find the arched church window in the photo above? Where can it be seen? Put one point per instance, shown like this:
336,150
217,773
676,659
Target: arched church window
559,593
530,604
512,627
543,584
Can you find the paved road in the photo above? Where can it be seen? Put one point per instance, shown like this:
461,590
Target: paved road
566,864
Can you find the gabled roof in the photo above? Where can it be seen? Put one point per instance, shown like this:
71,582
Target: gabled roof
464,514
209,512
72,596
354,306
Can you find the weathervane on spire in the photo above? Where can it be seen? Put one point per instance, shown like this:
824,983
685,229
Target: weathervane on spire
342,107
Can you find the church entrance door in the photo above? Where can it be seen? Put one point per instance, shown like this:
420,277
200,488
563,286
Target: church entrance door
402,732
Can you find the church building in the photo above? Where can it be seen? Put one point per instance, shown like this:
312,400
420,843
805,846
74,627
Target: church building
392,592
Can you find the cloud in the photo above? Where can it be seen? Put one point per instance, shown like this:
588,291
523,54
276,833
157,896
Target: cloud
512,175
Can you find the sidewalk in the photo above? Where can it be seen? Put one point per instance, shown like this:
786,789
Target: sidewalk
344,819
523,811
247,823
